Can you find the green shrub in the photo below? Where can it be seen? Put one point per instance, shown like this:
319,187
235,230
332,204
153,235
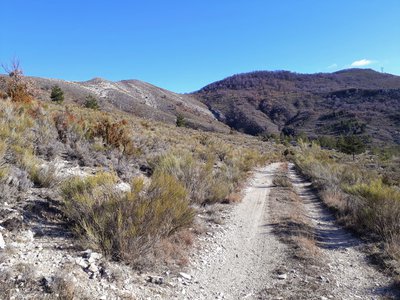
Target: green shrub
125,225
91,102
379,208
194,175
57,94
180,121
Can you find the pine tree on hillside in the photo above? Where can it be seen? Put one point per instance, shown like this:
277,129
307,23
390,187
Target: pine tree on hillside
91,102
57,94
351,144
180,121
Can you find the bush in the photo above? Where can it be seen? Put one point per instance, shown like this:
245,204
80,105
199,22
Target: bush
19,89
125,225
180,121
115,134
45,176
194,175
57,94
360,197
379,208
91,102
282,181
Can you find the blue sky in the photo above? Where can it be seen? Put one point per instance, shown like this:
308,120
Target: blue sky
184,45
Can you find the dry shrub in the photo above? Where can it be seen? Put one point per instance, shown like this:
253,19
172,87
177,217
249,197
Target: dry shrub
46,176
206,181
126,225
115,134
19,89
3,167
70,128
194,175
307,247
334,199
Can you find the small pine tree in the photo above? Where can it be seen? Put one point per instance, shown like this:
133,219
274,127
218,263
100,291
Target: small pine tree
57,94
351,144
91,102
180,121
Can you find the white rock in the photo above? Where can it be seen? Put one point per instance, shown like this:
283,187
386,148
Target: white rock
123,187
28,235
185,276
81,262
93,256
93,268
282,276
2,243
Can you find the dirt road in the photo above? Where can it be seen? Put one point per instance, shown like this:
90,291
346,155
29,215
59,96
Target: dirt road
244,255
242,258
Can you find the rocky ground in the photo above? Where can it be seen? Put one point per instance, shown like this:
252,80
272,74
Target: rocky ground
238,255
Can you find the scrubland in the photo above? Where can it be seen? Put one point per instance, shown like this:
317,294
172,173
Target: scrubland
144,180
364,194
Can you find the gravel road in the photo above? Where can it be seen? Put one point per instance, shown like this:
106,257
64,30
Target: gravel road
243,256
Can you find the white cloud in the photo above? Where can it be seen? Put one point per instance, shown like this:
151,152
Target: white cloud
362,63
332,66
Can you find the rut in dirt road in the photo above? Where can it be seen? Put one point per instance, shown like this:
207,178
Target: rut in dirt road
244,256
351,275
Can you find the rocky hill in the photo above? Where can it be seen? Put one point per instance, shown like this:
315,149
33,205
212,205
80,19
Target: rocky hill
135,97
353,100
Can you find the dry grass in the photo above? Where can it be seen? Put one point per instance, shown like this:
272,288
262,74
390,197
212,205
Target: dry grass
362,198
292,224
64,288
174,250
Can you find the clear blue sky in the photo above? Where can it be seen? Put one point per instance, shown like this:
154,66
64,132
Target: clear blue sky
184,45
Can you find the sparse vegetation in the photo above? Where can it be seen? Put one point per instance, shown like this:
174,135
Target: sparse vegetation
182,174
357,191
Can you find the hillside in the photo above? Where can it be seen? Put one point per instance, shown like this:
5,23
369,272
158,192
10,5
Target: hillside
360,100
135,97
103,204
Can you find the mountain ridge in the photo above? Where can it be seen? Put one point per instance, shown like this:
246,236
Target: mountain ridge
275,102
135,97
362,101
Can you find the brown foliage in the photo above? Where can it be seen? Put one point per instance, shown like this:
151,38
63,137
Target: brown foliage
115,134
19,89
